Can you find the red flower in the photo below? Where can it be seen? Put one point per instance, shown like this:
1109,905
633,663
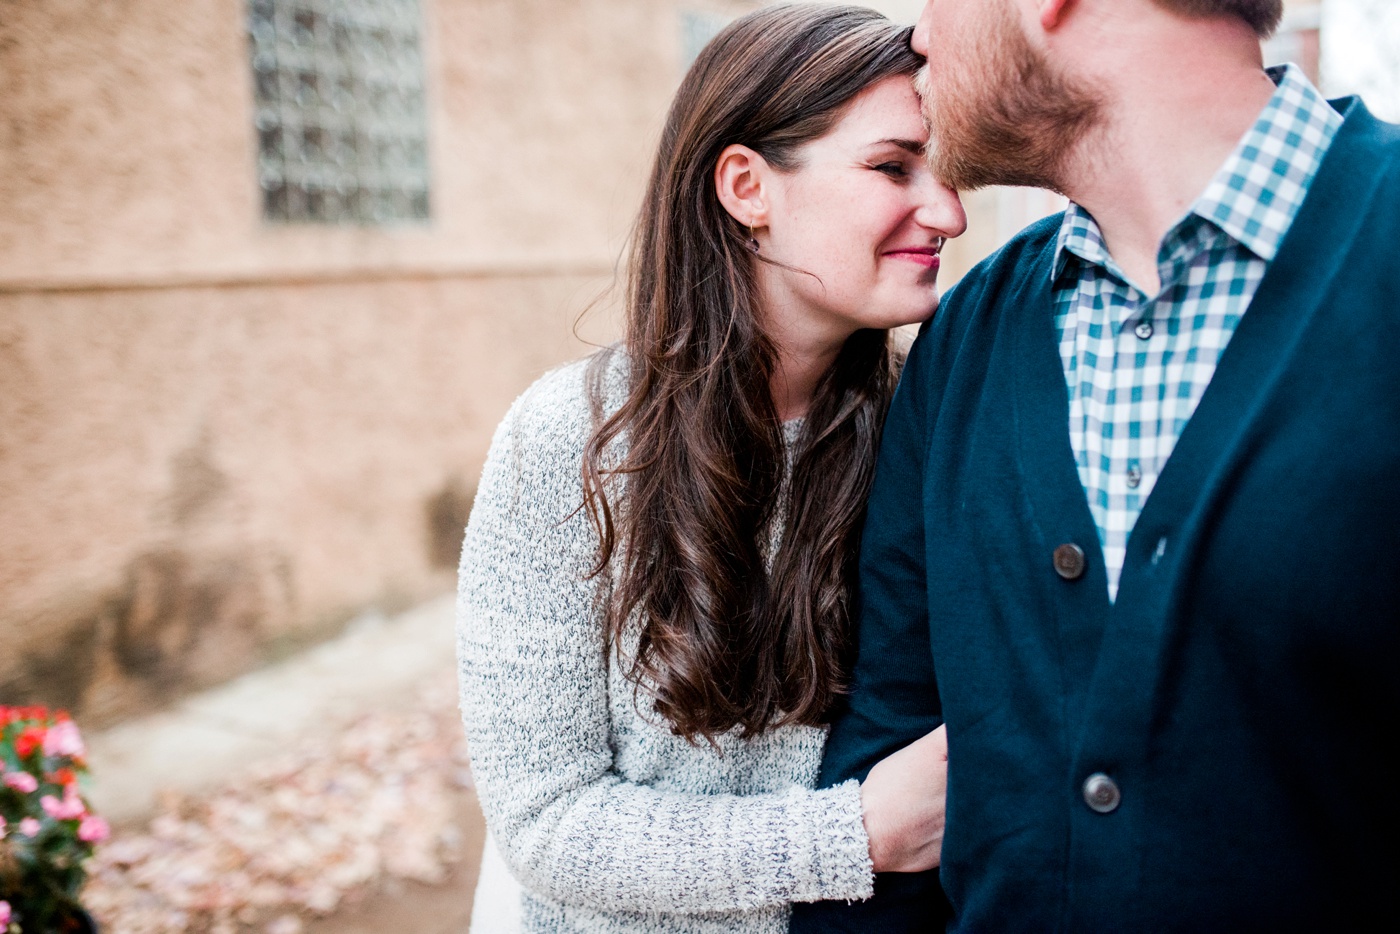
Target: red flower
63,777
29,740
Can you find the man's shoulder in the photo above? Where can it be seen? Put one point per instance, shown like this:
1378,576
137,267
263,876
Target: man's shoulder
1027,253
1364,143
1357,117
1012,279
1000,279
1356,193
1029,245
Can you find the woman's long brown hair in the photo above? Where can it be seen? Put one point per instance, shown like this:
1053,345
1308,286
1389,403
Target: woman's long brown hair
725,642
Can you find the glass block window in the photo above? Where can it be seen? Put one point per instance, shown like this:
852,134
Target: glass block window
340,112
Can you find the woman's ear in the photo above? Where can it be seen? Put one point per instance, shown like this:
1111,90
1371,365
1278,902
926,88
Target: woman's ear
742,179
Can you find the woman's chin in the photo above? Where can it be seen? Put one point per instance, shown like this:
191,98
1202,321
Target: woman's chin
911,314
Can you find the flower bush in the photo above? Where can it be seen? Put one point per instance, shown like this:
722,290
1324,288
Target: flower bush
46,829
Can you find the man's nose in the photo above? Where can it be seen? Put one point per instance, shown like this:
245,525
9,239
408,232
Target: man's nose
919,42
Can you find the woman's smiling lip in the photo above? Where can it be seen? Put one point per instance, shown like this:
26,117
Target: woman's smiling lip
924,256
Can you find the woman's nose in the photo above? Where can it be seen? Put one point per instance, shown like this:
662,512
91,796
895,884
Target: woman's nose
940,208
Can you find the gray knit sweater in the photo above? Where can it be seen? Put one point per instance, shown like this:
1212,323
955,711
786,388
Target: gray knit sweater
609,821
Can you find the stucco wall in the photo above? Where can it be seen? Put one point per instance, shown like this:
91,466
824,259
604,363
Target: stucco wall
220,439
127,153
193,477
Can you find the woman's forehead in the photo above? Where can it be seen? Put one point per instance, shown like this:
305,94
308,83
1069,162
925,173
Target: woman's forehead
887,111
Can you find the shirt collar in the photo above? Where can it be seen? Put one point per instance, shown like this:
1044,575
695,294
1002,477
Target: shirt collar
1261,186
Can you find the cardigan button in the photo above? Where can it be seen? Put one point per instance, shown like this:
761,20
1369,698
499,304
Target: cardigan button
1101,793
1069,562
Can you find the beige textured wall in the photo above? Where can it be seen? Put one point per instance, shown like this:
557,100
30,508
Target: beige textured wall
127,150
220,439
193,477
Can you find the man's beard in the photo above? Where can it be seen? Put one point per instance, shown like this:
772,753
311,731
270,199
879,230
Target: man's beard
1003,115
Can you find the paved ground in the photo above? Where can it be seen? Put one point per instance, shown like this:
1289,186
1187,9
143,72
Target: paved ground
412,907
262,772
377,664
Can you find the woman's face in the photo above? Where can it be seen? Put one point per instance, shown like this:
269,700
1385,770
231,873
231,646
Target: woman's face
860,223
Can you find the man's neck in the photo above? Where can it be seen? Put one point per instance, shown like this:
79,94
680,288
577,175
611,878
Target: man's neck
1176,108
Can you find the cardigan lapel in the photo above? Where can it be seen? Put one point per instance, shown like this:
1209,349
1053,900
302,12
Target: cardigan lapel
1300,277
1267,340
1046,464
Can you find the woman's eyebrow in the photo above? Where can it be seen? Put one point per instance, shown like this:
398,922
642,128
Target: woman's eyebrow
908,145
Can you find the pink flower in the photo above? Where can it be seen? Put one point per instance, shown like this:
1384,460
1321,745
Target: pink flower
70,808
93,829
4,915
2,835
29,827
22,782
63,739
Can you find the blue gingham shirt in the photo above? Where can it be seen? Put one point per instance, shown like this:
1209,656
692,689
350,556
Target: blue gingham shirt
1137,365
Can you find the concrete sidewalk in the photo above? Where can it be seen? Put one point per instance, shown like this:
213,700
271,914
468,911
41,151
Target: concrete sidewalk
386,798
377,664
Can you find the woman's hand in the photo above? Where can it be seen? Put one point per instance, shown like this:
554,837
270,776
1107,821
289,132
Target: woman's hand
903,803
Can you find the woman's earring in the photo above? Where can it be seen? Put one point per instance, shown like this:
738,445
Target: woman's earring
753,241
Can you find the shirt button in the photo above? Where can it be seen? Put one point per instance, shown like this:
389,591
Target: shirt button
1143,330
1069,562
1134,475
1101,793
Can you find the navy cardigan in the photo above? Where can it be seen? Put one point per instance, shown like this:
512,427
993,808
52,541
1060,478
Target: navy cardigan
1244,690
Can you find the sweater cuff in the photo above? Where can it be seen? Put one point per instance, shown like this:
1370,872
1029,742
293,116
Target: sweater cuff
841,869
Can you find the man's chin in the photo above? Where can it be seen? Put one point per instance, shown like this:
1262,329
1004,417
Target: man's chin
968,156
964,167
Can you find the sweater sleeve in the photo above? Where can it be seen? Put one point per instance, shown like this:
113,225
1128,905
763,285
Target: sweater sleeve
534,690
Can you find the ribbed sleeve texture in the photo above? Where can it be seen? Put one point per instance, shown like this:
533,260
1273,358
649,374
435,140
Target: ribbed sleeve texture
610,822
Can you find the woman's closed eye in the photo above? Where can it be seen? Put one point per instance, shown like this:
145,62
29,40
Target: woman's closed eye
895,170
895,158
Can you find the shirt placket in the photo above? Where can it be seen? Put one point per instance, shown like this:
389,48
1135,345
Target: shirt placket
1091,404
1123,474
1142,336
1157,333
1134,469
